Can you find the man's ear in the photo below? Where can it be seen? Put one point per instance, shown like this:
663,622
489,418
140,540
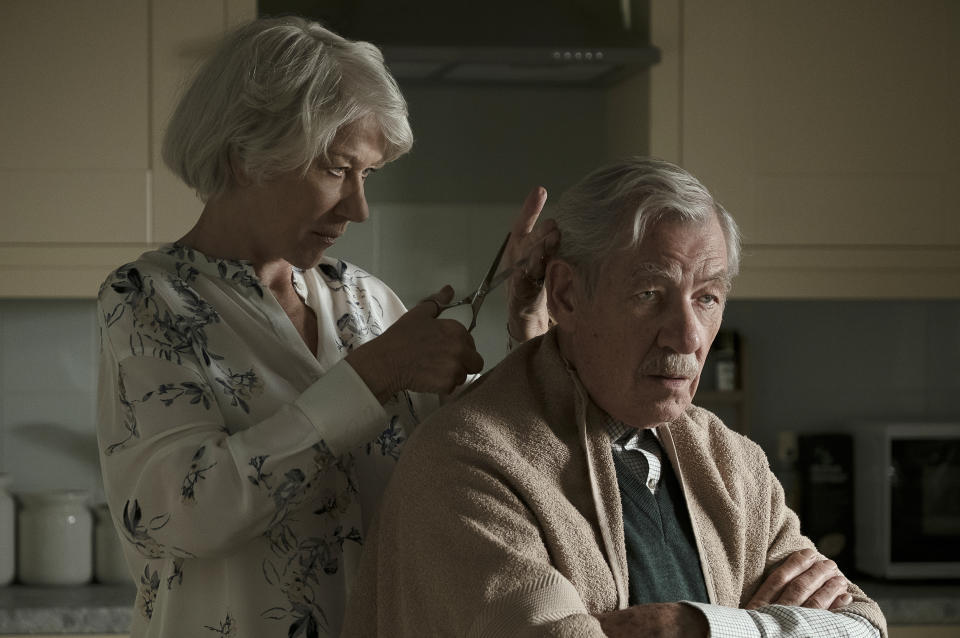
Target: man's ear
563,291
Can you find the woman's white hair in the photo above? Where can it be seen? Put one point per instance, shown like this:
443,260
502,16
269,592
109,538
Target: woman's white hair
632,195
272,98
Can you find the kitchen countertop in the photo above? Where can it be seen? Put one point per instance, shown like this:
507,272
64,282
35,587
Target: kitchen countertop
915,603
107,609
95,609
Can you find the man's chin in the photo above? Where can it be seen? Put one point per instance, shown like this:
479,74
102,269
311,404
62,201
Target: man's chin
656,413
672,408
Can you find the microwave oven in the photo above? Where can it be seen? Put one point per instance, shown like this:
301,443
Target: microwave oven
907,499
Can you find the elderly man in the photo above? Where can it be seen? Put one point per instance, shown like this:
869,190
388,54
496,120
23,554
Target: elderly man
574,490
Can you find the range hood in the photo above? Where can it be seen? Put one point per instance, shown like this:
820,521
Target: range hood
520,43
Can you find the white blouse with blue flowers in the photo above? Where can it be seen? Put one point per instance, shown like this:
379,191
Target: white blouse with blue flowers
240,469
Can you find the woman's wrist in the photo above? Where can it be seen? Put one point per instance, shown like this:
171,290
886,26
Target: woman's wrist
371,370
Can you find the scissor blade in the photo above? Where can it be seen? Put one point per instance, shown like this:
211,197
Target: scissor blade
486,285
500,278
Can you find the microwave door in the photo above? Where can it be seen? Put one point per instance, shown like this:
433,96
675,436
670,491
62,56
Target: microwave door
925,501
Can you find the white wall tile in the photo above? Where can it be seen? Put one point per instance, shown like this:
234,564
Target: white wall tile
422,248
48,363
51,440
49,344
816,365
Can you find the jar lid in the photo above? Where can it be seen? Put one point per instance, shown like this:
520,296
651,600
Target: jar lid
55,496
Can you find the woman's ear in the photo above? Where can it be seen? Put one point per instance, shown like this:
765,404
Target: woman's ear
237,176
563,291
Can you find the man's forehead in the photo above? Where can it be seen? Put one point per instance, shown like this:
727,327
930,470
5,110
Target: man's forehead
705,268
671,246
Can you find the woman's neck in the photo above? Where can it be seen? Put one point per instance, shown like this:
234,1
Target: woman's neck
222,232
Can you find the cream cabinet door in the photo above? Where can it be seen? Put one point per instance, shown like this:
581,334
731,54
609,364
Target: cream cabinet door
184,33
74,158
829,130
87,88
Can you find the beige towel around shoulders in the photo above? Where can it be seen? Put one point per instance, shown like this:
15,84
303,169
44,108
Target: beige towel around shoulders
503,516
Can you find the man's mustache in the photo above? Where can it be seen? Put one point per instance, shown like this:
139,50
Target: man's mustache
671,364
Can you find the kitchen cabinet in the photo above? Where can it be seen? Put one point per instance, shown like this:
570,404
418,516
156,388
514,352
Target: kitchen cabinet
88,87
828,130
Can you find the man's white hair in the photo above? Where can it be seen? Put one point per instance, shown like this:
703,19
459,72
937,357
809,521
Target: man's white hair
624,199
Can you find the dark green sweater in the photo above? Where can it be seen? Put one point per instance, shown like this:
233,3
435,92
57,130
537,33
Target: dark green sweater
662,558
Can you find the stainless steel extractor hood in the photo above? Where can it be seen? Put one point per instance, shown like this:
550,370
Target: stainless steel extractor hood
520,42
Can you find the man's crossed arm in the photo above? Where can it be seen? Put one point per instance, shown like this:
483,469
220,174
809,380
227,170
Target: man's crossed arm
802,580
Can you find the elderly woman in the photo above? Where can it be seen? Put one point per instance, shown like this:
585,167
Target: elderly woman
254,392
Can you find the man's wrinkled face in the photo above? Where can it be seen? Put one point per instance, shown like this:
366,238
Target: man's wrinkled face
640,338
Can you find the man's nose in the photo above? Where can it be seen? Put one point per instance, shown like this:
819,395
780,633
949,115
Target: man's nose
353,205
681,330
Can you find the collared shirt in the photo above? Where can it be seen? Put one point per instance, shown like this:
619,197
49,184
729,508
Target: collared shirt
640,451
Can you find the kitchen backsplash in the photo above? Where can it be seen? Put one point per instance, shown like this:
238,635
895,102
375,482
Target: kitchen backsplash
48,368
816,365
813,365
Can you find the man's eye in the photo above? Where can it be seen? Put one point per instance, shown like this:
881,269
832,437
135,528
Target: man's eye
337,171
646,295
709,300
368,172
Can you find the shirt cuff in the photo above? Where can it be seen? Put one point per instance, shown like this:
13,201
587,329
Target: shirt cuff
342,409
727,622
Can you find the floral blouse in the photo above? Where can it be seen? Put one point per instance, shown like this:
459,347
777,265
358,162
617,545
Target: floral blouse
241,470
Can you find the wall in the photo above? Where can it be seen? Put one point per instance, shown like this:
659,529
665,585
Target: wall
816,365
48,394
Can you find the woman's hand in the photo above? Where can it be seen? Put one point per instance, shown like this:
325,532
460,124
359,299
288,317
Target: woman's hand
529,249
419,352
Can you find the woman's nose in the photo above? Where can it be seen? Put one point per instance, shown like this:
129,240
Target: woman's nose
353,206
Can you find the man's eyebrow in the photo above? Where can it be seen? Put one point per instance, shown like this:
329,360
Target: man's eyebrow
659,271
722,277
651,269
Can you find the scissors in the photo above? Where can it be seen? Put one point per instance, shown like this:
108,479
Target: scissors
475,299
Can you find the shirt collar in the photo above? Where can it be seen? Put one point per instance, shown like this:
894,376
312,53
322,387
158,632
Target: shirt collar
618,430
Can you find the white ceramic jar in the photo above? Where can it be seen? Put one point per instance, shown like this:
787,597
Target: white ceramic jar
109,564
8,523
55,538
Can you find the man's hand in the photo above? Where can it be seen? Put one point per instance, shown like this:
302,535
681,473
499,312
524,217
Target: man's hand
528,250
804,579
656,620
419,352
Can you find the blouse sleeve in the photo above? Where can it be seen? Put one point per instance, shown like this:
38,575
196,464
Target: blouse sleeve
185,485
